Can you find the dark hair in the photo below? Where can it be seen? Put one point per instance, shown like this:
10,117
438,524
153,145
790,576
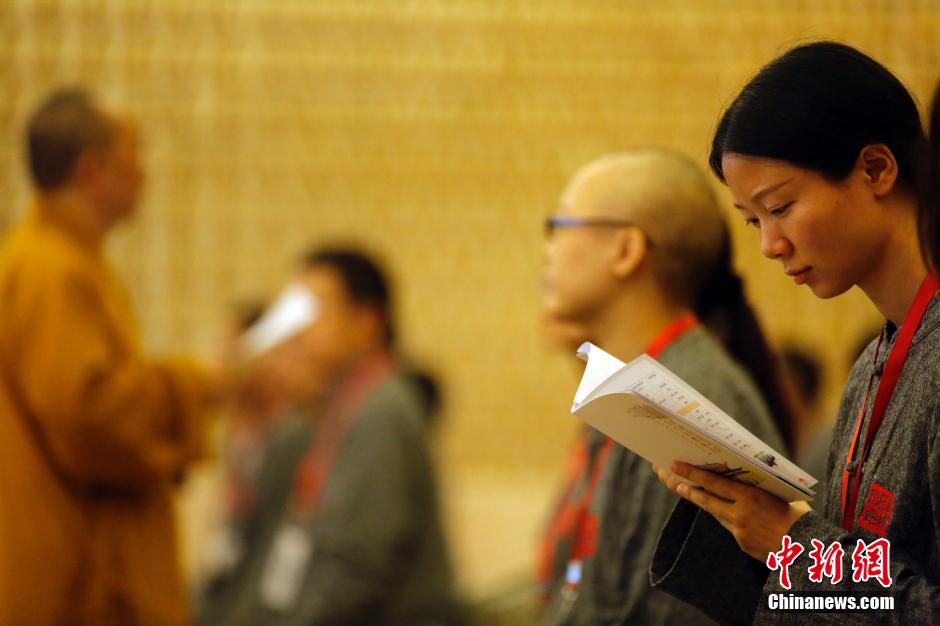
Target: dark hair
817,106
930,188
245,313
723,308
429,392
61,129
364,280
861,344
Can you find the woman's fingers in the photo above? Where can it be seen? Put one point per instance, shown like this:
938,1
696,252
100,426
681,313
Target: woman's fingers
717,506
709,502
668,478
725,488
757,519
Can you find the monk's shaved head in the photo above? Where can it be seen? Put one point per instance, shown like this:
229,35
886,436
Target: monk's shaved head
668,197
64,126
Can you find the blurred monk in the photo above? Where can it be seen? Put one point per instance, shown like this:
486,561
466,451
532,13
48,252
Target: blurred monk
94,436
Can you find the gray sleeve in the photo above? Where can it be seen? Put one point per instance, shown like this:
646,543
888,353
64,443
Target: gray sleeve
698,561
617,588
365,521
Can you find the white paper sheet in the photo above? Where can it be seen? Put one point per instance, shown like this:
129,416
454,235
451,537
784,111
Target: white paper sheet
295,309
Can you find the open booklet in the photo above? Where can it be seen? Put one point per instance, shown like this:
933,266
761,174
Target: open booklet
295,309
651,411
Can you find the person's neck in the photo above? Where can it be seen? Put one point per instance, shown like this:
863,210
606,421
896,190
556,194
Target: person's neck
73,213
630,324
357,356
894,281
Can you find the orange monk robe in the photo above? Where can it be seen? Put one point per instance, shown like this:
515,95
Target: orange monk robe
93,438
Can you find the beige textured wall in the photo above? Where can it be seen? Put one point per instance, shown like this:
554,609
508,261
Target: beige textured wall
439,133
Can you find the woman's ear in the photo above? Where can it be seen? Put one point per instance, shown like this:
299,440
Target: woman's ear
880,168
630,251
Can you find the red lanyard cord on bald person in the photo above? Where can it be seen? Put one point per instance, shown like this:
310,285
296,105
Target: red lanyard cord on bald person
851,480
586,526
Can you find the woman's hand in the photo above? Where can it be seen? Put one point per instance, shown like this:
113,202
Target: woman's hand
757,519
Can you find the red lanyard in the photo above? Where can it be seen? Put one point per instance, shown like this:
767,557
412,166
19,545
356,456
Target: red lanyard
314,468
889,380
676,329
585,535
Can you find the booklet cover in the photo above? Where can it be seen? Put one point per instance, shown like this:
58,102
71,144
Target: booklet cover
651,411
295,309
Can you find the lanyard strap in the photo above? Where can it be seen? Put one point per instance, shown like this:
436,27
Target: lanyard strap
851,479
676,329
313,470
586,531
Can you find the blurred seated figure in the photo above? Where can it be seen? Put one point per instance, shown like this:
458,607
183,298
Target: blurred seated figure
803,371
94,435
812,432
345,528
252,417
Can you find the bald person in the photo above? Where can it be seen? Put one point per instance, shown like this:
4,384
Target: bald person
635,256
94,436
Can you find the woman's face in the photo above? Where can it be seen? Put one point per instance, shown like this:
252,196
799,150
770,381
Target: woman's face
826,235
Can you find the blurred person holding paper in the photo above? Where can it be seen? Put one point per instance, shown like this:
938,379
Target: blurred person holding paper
275,388
271,359
637,260
94,435
346,528
251,418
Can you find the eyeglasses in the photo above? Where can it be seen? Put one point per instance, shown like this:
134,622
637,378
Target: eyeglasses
569,221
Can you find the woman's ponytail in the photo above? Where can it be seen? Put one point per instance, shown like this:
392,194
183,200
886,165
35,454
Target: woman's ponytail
723,308
929,187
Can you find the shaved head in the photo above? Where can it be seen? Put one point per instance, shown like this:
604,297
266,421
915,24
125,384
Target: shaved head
64,126
83,149
668,197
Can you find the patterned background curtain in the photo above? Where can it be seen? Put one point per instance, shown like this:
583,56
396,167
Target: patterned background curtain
437,133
